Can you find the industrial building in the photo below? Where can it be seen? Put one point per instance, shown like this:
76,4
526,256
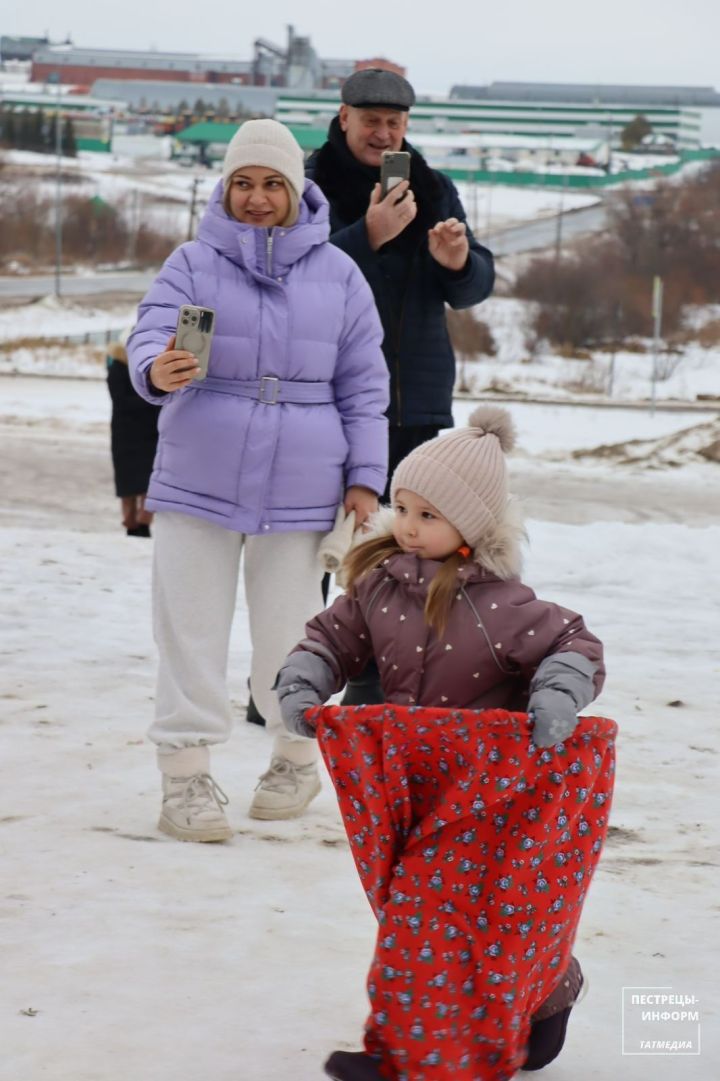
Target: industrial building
294,84
19,48
556,120
147,96
690,114
295,64
81,67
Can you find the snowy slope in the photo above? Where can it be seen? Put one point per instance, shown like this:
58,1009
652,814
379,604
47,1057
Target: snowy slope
128,955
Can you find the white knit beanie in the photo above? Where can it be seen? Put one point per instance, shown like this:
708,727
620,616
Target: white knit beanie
463,474
270,145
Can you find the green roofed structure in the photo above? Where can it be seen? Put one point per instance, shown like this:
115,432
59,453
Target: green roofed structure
210,138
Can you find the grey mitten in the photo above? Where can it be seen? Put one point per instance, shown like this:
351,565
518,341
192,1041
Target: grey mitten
562,685
304,681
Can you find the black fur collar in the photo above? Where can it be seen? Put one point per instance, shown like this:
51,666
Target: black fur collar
347,183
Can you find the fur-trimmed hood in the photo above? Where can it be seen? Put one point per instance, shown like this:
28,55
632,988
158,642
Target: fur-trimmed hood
499,552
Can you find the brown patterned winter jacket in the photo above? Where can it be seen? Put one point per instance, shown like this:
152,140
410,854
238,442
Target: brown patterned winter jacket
497,634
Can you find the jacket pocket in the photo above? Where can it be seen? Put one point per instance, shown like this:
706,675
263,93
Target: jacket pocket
202,441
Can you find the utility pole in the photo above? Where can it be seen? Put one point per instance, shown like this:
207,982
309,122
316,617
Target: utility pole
617,316
54,77
193,203
473,201
559,220
135,226
657,304
488,213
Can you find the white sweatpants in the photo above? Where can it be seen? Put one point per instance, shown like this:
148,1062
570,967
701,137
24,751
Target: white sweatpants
195,576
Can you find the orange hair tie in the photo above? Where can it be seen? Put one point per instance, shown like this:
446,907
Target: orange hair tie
464,551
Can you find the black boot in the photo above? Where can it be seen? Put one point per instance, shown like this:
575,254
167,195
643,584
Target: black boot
549,1024
253,714
546,1040
352,1066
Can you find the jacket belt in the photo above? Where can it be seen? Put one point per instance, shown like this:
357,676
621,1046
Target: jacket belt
272,391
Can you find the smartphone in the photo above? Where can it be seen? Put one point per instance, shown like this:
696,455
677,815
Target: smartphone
194,332
394,167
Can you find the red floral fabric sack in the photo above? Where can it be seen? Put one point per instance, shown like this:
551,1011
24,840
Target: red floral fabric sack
476,850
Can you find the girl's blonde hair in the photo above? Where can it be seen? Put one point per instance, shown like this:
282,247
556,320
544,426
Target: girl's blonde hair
360,561
293,203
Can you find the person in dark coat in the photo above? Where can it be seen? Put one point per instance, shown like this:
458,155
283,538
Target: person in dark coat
133,441
418,255
414,248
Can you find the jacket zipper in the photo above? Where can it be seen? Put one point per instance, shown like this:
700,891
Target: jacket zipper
268,257
473,609
373,597
398,340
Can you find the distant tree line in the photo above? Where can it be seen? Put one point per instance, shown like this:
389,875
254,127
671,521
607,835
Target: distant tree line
93,230
36,130
599,292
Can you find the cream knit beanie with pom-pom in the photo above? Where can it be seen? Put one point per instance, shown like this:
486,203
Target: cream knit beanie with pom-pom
463,474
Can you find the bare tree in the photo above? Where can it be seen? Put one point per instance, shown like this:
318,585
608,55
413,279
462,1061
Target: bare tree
470,337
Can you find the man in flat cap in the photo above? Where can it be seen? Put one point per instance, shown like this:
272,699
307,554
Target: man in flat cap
414,247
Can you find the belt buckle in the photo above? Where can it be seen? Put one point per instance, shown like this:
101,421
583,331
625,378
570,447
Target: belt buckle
273,390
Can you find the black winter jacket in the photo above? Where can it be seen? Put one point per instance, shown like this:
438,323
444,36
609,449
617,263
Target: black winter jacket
133,429
410,288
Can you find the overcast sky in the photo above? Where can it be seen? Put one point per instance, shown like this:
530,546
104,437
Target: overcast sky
440,42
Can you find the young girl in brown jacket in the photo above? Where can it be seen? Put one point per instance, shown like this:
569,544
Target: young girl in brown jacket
437,600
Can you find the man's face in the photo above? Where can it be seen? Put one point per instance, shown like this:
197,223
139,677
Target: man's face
370,131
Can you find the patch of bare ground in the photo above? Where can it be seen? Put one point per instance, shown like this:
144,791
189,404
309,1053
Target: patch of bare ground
701,442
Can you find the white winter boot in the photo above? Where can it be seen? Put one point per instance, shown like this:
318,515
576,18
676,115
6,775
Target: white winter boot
285,790
192,807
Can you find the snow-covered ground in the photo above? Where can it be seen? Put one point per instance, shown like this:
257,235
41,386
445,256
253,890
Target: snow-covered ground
52,318
155,191
517,369
129,955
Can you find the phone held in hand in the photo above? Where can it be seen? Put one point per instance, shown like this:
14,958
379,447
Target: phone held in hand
394,167
194,332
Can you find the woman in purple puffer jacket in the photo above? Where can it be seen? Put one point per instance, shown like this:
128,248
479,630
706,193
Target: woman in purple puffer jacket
254,459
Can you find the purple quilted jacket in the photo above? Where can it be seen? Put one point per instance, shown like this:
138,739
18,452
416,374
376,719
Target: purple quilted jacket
292,411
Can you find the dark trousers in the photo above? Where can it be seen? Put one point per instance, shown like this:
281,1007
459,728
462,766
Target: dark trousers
365,689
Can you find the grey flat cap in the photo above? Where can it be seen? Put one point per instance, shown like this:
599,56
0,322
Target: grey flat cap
379,88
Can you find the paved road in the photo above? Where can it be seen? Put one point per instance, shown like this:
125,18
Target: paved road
135,282
543,234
